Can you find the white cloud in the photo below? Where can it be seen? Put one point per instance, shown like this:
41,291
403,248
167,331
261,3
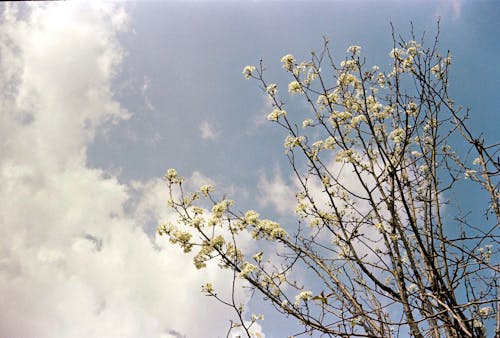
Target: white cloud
255,331
74,262
279,194
144,91
259,118
276,193
208,131
197,180
452,8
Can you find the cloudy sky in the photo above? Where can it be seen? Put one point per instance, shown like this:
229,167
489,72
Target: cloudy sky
97,100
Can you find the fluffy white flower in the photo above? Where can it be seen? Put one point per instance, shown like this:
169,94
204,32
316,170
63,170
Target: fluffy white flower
248,268
288,61
251,217
303,296
412,48
269,230
349,64
469,173
247,71
330,143
207,288
347,156
477,323
258,256
307,123
345,79
436,69
171,174
424,168
485,311
412,109
396,53
322,101
272,89
381,80
339,116
408,62
275,114
412,288
291,142
354,50
294,87
398,135
219,208
206,189
356,120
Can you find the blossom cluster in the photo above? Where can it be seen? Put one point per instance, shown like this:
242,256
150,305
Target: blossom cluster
294,87
276,114
288,61
172,177
247,269
268,229
303,296
248,71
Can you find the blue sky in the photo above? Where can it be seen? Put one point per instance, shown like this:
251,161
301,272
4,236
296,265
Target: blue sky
99,99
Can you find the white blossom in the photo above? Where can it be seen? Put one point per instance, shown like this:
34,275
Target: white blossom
398,135
303,296
349,64
354,49
247,71
412,109
485,311
396,53
171,174
206,189
346,79
219,208
248,268
412,288
322,101
381,80
424,168
258,256
208,288
477,323
356,120
412,48
272,89
251,217
291,142
469,173
288,61
294,87
307,123
330,142
275,114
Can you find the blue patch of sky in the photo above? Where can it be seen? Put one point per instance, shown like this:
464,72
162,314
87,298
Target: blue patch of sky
193,53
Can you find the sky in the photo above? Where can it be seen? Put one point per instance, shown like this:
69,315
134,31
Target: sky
98,99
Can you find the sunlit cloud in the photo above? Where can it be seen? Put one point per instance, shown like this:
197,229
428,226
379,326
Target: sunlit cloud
208,131
451,8
78,253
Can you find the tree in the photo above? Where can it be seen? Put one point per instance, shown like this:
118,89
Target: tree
379,231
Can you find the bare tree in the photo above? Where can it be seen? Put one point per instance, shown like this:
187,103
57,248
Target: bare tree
381,235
